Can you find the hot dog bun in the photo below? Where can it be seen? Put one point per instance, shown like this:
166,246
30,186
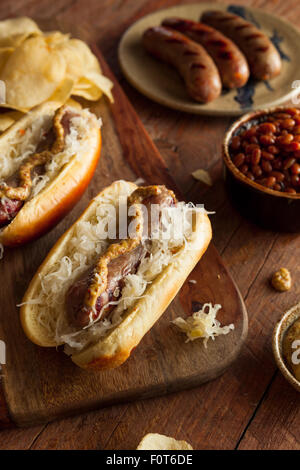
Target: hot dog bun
112,349
44,210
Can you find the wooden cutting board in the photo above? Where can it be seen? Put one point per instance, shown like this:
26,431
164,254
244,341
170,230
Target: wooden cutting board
41,384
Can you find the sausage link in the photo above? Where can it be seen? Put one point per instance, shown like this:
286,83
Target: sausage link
230,61
93,295
263,58
192,62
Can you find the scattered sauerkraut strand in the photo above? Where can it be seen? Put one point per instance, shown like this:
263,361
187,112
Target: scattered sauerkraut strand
203,324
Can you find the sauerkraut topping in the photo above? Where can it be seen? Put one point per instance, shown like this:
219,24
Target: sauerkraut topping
22,146
87,242
203,324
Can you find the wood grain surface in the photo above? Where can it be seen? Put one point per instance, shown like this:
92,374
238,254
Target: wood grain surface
42,384
251,406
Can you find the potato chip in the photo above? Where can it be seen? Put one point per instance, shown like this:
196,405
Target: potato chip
73,103
103,83
73,58
154,441
87,89
56,37
88,60
63,91
32,73
15,30
7,119
15,108
83,65
37,66
5,52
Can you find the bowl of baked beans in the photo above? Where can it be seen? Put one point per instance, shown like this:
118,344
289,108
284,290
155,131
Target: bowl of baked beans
261,153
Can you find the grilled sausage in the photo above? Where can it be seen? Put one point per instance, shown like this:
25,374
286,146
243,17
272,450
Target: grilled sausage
263,58
231,62
8,210
195,66
118,268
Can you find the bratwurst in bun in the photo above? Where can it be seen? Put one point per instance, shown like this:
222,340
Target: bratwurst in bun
47,159
98,292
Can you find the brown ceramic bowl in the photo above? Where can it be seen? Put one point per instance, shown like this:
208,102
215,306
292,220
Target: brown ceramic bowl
279,331
266,207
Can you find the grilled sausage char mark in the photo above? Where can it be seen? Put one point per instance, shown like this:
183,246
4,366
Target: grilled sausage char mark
105,280
17,188
230,61
118,269
190,59
263,58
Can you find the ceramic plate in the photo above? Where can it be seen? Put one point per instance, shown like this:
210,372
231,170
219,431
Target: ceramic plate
161,83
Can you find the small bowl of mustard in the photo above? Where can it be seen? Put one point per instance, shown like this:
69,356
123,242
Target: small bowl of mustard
286,346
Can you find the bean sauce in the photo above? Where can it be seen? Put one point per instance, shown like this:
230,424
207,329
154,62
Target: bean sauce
267,150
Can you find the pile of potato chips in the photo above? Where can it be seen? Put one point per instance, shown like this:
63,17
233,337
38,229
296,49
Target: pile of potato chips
38,67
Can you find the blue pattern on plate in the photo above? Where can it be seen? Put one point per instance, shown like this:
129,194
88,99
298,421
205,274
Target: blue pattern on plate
277,40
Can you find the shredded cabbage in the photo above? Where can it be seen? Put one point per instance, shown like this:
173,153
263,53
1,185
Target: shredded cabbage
24,143
203,324
89,240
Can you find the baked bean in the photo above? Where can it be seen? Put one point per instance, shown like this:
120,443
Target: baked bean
257,171
287,177
235,143
282,116
267,155
266,166
277,164
244,169
292,111
239,159
273,149
295,169
251,147
292,147
287,123
267,128
249,133
295,180
288,163
268,182
284,139
250,176
278,175
268,151
255,156
267,139
253,140
290,190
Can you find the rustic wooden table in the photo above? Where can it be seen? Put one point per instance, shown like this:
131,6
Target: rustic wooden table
251,406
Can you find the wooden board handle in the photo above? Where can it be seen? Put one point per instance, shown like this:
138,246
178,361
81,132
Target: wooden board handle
5,420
